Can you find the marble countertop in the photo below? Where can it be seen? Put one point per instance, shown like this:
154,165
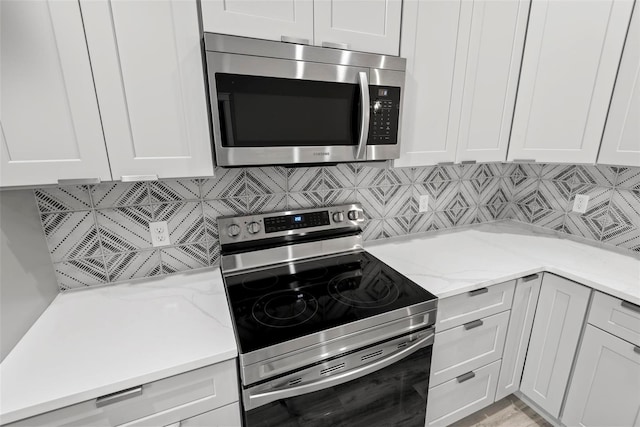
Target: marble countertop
93,342
453,262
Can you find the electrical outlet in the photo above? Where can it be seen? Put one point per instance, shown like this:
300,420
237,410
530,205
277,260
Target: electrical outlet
580,203
424,203
159,233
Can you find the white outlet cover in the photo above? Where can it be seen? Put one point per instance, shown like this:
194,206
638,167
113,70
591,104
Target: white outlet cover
580,203
424,203
159,233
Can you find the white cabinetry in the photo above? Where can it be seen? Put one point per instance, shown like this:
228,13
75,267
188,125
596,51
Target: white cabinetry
50,124
150,85
554,338
605,390
621,139
368,26
568,71
463,62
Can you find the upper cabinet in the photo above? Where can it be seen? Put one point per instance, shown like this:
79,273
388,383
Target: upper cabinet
150,84
361,25
621,139
463,61
569,68
50,124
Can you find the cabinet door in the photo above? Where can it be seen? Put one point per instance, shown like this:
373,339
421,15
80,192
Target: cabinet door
568,70
621,140
50,124
556,330
150,84
367,26
261,19
491,79
523,309
227,416
605,389
435,53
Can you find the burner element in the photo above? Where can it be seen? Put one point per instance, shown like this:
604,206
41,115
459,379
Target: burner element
262,283
363,291
284,309
311,274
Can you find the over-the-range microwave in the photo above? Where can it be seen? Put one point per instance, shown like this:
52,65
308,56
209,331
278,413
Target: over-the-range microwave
278,103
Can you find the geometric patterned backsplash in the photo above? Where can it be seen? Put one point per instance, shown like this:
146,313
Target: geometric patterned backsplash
100,234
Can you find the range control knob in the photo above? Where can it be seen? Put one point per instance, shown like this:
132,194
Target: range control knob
253,227
233,230
377,106
354,215
338,216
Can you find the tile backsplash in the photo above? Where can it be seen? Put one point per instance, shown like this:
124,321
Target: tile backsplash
100,234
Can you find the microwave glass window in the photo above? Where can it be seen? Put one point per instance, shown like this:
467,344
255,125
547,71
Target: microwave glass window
270,112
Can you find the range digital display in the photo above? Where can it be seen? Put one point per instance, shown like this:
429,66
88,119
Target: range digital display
298,218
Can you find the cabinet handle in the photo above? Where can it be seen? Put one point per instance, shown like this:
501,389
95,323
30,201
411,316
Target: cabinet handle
464,377
630,306
445,163
473,324
530,277
81,181
636,349
468,162
524,160
178,424
335,45
118,396
135,178
478,291
296,40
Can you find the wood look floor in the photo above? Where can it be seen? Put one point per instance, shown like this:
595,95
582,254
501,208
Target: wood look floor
508,412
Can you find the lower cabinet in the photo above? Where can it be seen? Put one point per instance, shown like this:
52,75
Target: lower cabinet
227,416
605,390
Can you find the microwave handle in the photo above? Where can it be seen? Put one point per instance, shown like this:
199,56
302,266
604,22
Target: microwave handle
361,151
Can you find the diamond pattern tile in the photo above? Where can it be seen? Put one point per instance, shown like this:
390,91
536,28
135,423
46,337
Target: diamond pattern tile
267,180
80,273
71,235
422,222
124,229
398,226
436,174
225,184
305,179
111,194
186,257
373,202
133,265
399,201
305,200
577,176
63,199
628,178
222,207
622,228
270,203
373,230
341,176
185,221
174,190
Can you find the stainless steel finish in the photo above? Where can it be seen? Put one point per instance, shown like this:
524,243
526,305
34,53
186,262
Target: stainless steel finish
473,324
338,216
524,160
118,397
464,377
253,227
255,259
265,48
225,222
297,40
530,277
284,357
337,371
80,181
478,291
361,151
355,215
445,163
636,348
136,178
630,306
468,162
233,230
334,45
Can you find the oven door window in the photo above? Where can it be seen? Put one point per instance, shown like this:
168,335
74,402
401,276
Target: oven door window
277,112
393,396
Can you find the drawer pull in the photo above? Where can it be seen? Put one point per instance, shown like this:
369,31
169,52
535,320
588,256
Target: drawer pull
478,291
636,349
468,162
137,178
473,324
630,306
464,377
445,164
530,277
81,181
296,40
333,45
524,160
118,396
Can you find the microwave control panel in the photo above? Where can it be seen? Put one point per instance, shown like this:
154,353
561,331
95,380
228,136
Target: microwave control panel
385,113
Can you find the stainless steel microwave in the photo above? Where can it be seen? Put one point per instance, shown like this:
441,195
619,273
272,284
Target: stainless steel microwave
283,103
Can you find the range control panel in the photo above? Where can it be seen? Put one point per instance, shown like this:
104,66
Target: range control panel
292,222
385,114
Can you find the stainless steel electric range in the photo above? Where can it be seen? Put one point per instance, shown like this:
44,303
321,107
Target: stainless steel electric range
328,334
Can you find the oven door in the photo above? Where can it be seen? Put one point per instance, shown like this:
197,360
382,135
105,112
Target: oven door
384,384
276,111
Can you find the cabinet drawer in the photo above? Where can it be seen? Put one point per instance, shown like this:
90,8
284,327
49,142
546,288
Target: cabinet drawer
218,381
615,316
455,399
459,309
227,416
468,347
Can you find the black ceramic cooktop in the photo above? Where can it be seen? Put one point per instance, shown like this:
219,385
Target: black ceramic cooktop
285,302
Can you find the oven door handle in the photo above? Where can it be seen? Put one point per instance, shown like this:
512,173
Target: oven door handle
361,151
259,399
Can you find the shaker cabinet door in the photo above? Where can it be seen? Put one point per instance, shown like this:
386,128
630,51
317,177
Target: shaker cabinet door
150,84
569,68
621,139
50,124
280,20
362,25
605,390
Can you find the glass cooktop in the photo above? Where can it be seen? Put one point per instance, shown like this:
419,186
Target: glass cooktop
282,303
